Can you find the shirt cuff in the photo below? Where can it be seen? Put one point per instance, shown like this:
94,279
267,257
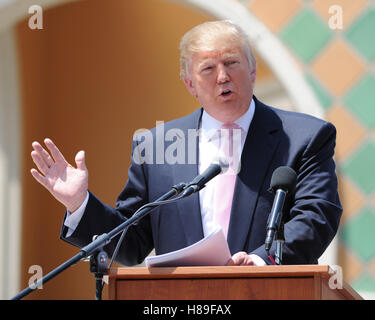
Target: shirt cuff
258,261
72,219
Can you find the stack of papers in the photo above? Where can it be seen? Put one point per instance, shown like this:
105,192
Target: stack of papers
212,250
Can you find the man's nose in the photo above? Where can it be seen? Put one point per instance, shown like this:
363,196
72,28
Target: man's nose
222,74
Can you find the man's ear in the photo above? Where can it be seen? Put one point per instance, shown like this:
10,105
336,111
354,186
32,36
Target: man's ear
190,86
253,75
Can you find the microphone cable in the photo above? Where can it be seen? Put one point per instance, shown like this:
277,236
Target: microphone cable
154,204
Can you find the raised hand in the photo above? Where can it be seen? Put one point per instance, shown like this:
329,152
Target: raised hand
66,183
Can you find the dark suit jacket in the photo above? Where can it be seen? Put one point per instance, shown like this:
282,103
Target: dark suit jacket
275,138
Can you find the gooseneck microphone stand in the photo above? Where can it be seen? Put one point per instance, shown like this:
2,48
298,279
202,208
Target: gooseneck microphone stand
99,258
280,239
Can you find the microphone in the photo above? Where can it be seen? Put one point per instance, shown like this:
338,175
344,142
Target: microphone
219,165
283,180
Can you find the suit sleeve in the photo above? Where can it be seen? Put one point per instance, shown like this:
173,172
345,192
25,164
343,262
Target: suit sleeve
313,211
100,218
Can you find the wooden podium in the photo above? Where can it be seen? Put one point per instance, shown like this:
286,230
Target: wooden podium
302,282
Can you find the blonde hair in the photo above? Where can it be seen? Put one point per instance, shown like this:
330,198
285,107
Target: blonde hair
201,36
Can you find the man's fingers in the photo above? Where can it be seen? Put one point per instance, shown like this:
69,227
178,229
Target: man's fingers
38,177
56,154
230,262
247,261
240,259
80,161
43,153
40,163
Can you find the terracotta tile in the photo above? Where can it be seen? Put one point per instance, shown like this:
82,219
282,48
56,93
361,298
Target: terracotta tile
350,9
275,13
372,267
349,131
338,67
263,71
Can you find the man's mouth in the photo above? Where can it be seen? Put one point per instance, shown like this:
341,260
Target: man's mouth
226,93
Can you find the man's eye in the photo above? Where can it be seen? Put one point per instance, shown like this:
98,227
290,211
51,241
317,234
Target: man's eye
206,69
231,62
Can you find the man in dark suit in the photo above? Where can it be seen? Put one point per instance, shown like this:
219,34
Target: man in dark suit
218,68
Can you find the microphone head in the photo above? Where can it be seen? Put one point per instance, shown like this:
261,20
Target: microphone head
283,178
222,162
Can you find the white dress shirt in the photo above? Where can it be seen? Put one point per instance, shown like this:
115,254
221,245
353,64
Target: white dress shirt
208,152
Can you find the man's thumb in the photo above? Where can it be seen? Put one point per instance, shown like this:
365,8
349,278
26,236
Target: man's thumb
80,160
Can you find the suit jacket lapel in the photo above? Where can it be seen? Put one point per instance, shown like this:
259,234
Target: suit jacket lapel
261,142
189,208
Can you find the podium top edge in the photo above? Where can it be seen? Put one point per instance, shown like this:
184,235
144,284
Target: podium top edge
221,271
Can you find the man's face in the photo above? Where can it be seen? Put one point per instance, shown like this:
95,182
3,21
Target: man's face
222,80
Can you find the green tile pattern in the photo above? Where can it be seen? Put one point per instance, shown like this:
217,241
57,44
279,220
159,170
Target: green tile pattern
321,93
361,100
306,35
360,167
359,234
365,282
361,34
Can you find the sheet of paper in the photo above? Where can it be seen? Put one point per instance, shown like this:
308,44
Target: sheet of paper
212,250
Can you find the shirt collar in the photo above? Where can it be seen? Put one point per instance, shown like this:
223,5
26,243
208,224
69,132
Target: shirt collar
210,125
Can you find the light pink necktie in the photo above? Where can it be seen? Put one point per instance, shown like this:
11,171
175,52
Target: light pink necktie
224,186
